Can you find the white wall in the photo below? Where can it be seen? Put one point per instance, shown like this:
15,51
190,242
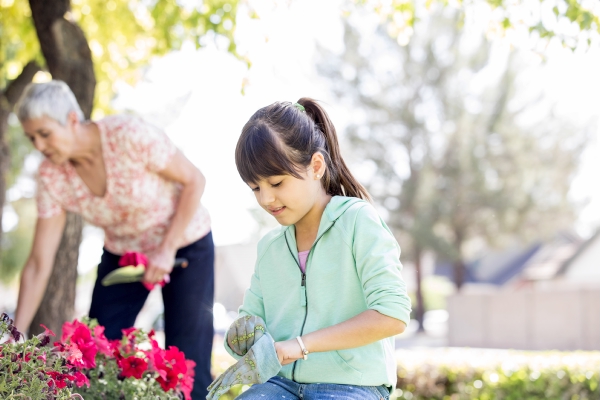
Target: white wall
560,319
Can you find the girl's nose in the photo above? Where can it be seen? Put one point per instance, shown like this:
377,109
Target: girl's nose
266,197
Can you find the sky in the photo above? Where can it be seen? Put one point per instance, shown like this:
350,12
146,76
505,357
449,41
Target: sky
196,96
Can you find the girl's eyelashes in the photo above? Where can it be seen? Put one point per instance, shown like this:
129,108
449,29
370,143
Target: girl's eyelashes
274,185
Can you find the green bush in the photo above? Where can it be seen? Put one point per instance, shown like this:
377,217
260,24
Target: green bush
485,374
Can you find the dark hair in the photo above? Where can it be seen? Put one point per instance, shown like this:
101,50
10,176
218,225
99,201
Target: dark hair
280,139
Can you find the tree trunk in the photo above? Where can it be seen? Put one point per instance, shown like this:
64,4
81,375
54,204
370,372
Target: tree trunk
420,311
8,99
458,265
459,273
69,59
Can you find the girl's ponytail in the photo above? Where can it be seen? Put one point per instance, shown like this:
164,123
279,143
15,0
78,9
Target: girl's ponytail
338,180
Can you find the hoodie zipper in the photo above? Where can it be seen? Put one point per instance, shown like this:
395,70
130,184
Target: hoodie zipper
303,284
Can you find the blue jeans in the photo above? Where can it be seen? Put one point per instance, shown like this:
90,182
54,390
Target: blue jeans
188,301
279,388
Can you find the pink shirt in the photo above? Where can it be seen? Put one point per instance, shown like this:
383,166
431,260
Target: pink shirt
137,208
302,256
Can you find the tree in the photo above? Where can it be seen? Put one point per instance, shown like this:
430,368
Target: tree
573,23
123,36
462,150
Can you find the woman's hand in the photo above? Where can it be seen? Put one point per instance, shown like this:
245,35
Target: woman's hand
160,264
288,351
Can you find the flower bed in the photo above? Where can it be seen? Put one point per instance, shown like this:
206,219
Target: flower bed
84,364
485,374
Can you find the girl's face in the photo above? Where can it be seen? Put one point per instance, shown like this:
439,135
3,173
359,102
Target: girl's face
52,139
290,200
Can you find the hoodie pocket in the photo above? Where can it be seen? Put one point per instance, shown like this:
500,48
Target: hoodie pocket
356,376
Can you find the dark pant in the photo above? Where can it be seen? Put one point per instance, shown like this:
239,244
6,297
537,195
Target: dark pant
188,300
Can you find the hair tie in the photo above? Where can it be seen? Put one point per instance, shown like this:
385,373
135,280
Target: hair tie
299,106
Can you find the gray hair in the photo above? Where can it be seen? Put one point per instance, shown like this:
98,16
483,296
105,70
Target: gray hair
52,99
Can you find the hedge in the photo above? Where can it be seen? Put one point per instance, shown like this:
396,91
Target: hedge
485,374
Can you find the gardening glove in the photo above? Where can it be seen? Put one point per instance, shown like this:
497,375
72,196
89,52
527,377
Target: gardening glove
244,332
258,366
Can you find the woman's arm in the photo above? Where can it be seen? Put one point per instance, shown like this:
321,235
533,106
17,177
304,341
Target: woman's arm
37,269
366,328
182,171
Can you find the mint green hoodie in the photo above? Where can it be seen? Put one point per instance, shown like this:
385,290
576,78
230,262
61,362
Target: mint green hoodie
352,267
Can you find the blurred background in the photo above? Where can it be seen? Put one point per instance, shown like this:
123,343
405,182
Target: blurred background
474,125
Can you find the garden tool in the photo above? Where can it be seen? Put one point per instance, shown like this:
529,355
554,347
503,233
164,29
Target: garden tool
133,268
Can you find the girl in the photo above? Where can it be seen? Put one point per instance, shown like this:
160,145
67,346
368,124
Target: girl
327,283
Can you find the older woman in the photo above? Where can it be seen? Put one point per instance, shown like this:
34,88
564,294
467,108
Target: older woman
125,176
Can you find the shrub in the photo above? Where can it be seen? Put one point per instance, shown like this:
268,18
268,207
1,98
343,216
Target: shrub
457,373
30,369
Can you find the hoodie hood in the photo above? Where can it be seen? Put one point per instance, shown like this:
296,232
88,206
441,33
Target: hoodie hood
336,207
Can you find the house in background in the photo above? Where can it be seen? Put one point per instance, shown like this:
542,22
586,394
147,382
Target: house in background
519,265
546,296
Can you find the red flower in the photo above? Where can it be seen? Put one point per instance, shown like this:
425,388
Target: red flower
133,258
44,338
133,366
176,359
47,331
169,380
129,333
81,379
58,379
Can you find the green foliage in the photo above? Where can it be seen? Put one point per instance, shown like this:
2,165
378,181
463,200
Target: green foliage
19,147
17,243
26,367
582,17
123,35
457,374
18,40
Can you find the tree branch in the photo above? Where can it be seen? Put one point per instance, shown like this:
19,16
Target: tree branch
15,88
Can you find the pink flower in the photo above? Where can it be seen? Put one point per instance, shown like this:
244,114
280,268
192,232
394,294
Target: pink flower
80,335
187,383
101,341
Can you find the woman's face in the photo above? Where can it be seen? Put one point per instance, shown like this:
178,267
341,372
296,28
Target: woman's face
53,140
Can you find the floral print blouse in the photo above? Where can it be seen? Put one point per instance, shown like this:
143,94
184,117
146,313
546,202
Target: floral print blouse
138,205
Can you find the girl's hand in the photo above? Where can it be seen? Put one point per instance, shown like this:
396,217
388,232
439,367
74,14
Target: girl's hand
288,351
160,264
